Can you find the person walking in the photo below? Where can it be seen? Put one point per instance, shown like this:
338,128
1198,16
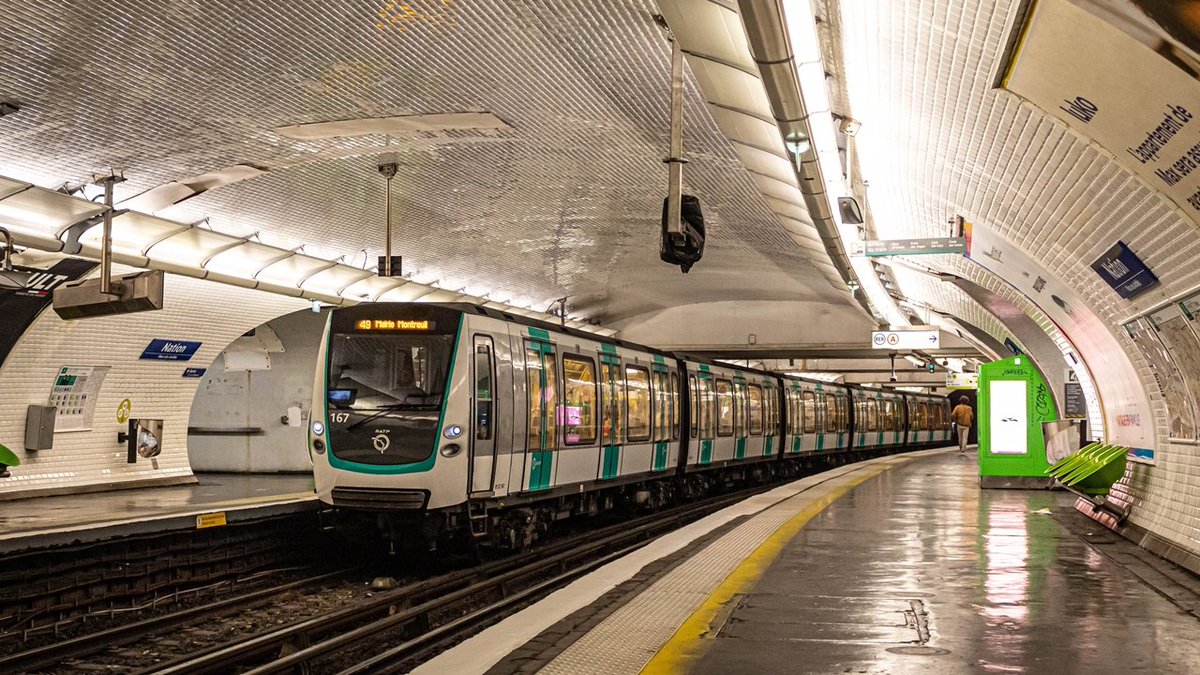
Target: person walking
962,415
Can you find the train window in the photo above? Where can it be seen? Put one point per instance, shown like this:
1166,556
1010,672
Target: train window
873,415
674,379
725,412
770,411
484,394
788,405
541,384
662,406
739,409
843,404
808,409
922,415
637,404
579,404
612,400
888,411
694,418
755,399
708,424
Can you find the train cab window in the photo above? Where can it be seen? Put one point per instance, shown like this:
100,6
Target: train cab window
612,402
708,401
725,412
694,418
484,392
662,406
673,378
637,404
579,400
756,409
542,386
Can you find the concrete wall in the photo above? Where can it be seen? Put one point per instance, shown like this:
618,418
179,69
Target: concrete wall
194,310
272,376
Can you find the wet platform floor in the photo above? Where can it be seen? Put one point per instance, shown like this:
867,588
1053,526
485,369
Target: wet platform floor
920,571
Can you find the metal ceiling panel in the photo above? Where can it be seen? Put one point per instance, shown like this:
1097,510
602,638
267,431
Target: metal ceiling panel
191,247
134,233
45,212
334,280
9,187
245,261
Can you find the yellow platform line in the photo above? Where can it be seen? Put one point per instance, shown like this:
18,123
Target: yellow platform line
693,638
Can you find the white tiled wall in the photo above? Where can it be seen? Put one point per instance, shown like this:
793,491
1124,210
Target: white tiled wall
211,313
224,398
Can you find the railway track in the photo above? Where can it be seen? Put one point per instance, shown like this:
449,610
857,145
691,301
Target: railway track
414,619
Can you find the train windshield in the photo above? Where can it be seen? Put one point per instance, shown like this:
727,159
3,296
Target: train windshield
385,395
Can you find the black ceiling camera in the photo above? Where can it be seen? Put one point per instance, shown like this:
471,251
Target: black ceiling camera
690,248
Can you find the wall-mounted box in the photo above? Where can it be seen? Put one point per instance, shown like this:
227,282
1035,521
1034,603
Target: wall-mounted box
39,427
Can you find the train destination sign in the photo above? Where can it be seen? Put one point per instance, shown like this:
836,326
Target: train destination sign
1124,271
876,248
905,339
394,324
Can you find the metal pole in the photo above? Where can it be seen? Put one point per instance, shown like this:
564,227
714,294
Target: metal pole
7,264
106,283
387,249
675,160
389,172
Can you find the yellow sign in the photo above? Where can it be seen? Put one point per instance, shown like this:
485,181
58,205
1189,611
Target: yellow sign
123,411
210,520
393,324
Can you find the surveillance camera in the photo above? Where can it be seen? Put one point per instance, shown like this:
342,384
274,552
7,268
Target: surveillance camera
945,362
893,379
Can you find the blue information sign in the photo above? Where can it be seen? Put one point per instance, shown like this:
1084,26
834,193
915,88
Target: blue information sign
1124,271
170,350
194,372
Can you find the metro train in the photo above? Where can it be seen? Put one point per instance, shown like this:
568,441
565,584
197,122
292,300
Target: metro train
453,420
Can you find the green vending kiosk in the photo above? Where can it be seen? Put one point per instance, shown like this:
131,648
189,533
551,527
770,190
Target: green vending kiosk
1013,402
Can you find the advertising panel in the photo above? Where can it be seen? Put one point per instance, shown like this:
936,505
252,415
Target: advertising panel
1008,417
1132,88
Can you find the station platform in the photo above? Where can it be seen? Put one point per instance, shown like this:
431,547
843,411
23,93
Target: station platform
41,522
897,565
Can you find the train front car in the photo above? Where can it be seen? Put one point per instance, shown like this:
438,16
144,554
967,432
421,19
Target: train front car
388,431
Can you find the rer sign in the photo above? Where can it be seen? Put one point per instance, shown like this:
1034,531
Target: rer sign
170,350
905,339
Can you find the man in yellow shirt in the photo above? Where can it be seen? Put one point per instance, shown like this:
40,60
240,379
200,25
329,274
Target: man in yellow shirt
963,416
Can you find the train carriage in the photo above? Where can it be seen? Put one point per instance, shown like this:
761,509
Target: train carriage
458,418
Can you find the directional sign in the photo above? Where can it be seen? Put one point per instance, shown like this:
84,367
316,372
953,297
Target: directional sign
905,339
886,247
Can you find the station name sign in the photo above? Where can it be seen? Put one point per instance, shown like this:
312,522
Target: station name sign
888,247
905,339
1124,271
379,325
170,350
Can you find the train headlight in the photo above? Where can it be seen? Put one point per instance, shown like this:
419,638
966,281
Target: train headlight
452,432
451,449
318,429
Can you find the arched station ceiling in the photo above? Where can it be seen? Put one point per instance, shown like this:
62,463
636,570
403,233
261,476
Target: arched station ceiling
560,194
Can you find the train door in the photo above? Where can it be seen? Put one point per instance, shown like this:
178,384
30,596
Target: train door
483,432
740,416
661,431
541,437
708,418
612,404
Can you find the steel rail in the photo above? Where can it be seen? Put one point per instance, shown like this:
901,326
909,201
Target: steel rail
85,645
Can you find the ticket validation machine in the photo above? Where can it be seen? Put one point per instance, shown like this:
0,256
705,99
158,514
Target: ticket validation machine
1014,401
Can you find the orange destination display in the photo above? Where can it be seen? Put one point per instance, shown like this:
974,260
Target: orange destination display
394,325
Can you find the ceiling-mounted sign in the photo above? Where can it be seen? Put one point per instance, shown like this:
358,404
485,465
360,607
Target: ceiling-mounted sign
887,247
962,380
1118,84
905,339
170,350
1124,271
